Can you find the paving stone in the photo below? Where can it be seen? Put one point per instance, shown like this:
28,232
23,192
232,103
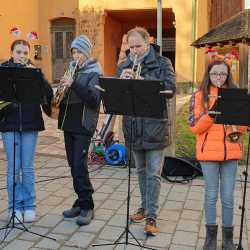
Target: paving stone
194,205
81,239
173,205
104,214
169,215
19,245
66,227
185,238
181,247
111,233
51,244
160,240
118,220
188,225
49,220
94,227
111,204
190,214
176,196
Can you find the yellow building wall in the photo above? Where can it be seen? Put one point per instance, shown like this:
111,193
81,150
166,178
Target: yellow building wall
202,27
35,15
183,16
16,14
49,10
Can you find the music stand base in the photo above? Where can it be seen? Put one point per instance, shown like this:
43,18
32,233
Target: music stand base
124,243
11,225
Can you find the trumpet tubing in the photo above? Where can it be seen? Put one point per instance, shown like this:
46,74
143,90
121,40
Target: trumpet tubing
61,91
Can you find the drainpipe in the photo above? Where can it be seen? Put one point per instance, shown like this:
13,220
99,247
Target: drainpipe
194,14
159,24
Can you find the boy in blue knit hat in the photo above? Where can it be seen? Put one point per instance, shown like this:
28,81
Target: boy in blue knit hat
78,116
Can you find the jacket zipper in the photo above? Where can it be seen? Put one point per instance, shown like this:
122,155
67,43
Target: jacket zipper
20,117
204,142
225,146
83,114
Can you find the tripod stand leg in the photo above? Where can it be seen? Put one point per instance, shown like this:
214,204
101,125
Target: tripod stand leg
245,173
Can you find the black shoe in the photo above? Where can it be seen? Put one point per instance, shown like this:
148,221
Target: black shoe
85,217
72,213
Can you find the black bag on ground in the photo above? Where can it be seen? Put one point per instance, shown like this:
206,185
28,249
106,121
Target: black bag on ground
186,168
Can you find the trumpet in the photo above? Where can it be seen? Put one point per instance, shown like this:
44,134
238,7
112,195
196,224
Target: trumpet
62,89
136,68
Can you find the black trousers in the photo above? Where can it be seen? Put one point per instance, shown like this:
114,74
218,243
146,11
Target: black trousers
77,146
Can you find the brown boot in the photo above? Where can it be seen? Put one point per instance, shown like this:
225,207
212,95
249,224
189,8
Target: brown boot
227,238
150,228
211,237
138,216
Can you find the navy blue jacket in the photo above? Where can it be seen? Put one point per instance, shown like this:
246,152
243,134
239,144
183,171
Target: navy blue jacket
79,110
24,117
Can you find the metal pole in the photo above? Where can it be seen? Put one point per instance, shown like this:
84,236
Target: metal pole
159,24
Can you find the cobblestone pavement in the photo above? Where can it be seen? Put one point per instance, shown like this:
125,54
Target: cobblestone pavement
181,215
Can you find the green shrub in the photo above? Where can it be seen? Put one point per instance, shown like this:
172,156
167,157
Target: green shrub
185,139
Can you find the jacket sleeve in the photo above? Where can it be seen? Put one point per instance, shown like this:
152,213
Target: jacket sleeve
88,93
168,75
199,121
48,96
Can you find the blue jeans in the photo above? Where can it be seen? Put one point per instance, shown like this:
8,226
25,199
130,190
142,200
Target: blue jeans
24,168
223,174
149,166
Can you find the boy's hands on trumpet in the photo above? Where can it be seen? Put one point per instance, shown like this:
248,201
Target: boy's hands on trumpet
66,80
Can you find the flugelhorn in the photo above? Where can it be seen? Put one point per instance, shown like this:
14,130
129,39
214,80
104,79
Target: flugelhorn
62,89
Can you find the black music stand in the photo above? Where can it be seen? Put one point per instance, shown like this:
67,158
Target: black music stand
136,98
232,107
20,86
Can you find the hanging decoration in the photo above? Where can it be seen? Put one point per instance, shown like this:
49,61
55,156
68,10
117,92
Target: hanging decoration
15,31
32,35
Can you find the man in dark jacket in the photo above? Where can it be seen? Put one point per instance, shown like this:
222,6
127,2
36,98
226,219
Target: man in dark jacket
149,136
78,117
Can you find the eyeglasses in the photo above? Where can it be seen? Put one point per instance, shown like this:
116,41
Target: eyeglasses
221,74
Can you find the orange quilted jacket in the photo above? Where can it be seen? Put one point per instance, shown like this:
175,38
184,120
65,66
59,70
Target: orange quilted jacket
211,143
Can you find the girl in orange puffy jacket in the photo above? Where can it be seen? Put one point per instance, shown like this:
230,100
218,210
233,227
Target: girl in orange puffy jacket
218,155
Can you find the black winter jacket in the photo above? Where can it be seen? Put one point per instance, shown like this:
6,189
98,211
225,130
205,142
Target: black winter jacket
149,133
79,109
24,117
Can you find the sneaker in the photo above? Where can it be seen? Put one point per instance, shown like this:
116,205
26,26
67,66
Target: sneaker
150,228
72,212
85,217
29,216
139,216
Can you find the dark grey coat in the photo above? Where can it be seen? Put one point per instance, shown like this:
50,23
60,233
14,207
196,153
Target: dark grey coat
149,133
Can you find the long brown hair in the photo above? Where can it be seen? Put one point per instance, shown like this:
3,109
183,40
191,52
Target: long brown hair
206,82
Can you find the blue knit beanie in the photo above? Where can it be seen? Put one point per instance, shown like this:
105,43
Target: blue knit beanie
83,44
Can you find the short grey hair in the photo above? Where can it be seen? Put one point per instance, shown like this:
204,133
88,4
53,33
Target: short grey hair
139,31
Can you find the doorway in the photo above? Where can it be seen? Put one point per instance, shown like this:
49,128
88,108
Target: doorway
62,34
